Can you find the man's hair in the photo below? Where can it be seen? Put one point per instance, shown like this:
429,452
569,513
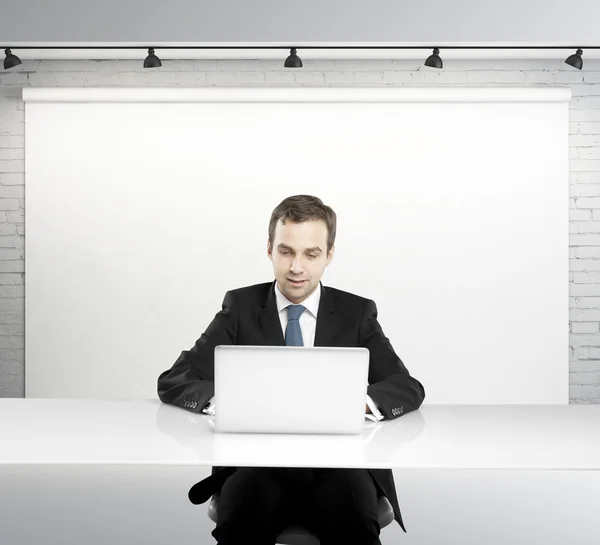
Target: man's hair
300,208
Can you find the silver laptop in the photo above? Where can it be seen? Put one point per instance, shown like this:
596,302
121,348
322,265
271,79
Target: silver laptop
290,389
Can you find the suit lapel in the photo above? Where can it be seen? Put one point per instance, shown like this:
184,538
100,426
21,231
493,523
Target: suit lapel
269,319
327,319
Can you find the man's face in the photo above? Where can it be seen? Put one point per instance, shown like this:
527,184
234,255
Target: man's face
299,252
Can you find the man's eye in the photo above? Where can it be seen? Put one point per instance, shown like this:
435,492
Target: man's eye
312,256
283,252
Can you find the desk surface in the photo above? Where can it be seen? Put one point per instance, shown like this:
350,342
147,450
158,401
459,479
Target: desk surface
87,431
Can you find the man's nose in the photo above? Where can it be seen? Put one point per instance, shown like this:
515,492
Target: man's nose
296,265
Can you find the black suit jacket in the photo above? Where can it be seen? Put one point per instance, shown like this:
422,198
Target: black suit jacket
249,317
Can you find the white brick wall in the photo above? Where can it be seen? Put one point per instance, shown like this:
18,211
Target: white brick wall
584,130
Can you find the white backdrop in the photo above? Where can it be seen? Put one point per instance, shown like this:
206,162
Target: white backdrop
144,206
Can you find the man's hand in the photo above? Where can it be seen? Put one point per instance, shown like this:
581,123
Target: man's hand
367,410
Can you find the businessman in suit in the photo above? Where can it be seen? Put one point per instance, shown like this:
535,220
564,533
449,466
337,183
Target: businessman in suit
255,504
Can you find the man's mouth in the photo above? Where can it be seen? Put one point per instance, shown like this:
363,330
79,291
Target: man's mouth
296,282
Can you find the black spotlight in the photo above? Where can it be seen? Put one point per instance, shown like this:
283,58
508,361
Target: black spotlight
152,61
434,61
10,60
293,61
575,60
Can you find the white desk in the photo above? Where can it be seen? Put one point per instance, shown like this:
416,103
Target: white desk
82,431
96,472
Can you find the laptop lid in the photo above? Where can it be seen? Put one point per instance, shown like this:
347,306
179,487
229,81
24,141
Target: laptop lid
290,389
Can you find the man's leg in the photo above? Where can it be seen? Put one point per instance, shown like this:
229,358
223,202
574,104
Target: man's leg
253,505
343,507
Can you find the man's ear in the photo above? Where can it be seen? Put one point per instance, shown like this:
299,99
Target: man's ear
269,251
330,254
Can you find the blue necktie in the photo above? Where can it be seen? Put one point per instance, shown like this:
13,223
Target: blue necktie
293,333
293,337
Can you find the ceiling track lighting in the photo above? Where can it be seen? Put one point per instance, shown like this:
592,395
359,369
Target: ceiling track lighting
575,60
293,60
10,60
152,61
434,60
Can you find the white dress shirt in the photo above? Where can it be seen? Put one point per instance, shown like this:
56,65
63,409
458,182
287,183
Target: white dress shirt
308,325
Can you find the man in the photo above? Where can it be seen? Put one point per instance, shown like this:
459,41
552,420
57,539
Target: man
255,504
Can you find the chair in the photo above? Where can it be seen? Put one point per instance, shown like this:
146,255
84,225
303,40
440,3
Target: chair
298,535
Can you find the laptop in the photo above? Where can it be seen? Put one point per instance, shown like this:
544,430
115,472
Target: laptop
290,389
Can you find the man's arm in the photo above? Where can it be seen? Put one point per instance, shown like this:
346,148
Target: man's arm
190,383
390,385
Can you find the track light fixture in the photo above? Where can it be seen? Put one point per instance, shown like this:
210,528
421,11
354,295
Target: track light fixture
152,61
293,61
10,60
434,60
575,60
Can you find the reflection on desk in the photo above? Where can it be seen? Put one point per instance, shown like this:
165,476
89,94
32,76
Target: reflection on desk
87,431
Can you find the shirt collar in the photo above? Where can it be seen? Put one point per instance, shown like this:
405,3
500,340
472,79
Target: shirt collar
311,303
